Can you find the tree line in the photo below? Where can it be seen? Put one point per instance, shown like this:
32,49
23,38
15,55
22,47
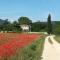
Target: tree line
6,25
49,26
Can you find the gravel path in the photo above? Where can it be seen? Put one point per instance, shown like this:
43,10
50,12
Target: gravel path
51,51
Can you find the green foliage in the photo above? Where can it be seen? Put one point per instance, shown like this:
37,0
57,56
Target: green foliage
35,27
24,20
49,25
33,47
38,26
7,26
16,27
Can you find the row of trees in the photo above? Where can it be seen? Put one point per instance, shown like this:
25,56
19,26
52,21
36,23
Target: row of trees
38,26
15,26
8,26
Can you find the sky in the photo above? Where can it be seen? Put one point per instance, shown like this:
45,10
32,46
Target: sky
33,9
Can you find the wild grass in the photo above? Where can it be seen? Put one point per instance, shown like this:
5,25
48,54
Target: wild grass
57,38
50,41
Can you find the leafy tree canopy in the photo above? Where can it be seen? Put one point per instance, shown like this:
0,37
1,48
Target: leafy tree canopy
24,20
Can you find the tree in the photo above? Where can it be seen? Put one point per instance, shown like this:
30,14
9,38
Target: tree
24,20
36,26
16,27
49,24
6,25
1,24
15,23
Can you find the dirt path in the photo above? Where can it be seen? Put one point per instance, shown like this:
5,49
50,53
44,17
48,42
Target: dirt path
51,51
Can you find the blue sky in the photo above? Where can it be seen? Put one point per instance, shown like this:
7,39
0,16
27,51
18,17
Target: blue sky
34,9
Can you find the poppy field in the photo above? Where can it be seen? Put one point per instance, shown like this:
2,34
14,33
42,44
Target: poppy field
9,42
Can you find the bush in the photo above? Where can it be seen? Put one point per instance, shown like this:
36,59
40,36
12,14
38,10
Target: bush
33,47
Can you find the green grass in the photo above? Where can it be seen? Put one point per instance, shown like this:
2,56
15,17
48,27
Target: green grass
57,38
31,52
50,41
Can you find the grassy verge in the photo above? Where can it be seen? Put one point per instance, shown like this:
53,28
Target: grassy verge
57,38
31,52
50,41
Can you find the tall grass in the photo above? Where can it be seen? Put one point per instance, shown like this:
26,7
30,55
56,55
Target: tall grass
57,38
50,41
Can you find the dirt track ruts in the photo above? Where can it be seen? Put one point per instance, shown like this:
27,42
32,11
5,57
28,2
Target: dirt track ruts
51,51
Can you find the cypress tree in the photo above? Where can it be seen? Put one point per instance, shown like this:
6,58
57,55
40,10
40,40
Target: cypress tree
49,24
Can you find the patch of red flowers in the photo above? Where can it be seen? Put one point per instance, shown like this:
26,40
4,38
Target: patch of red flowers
17,41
